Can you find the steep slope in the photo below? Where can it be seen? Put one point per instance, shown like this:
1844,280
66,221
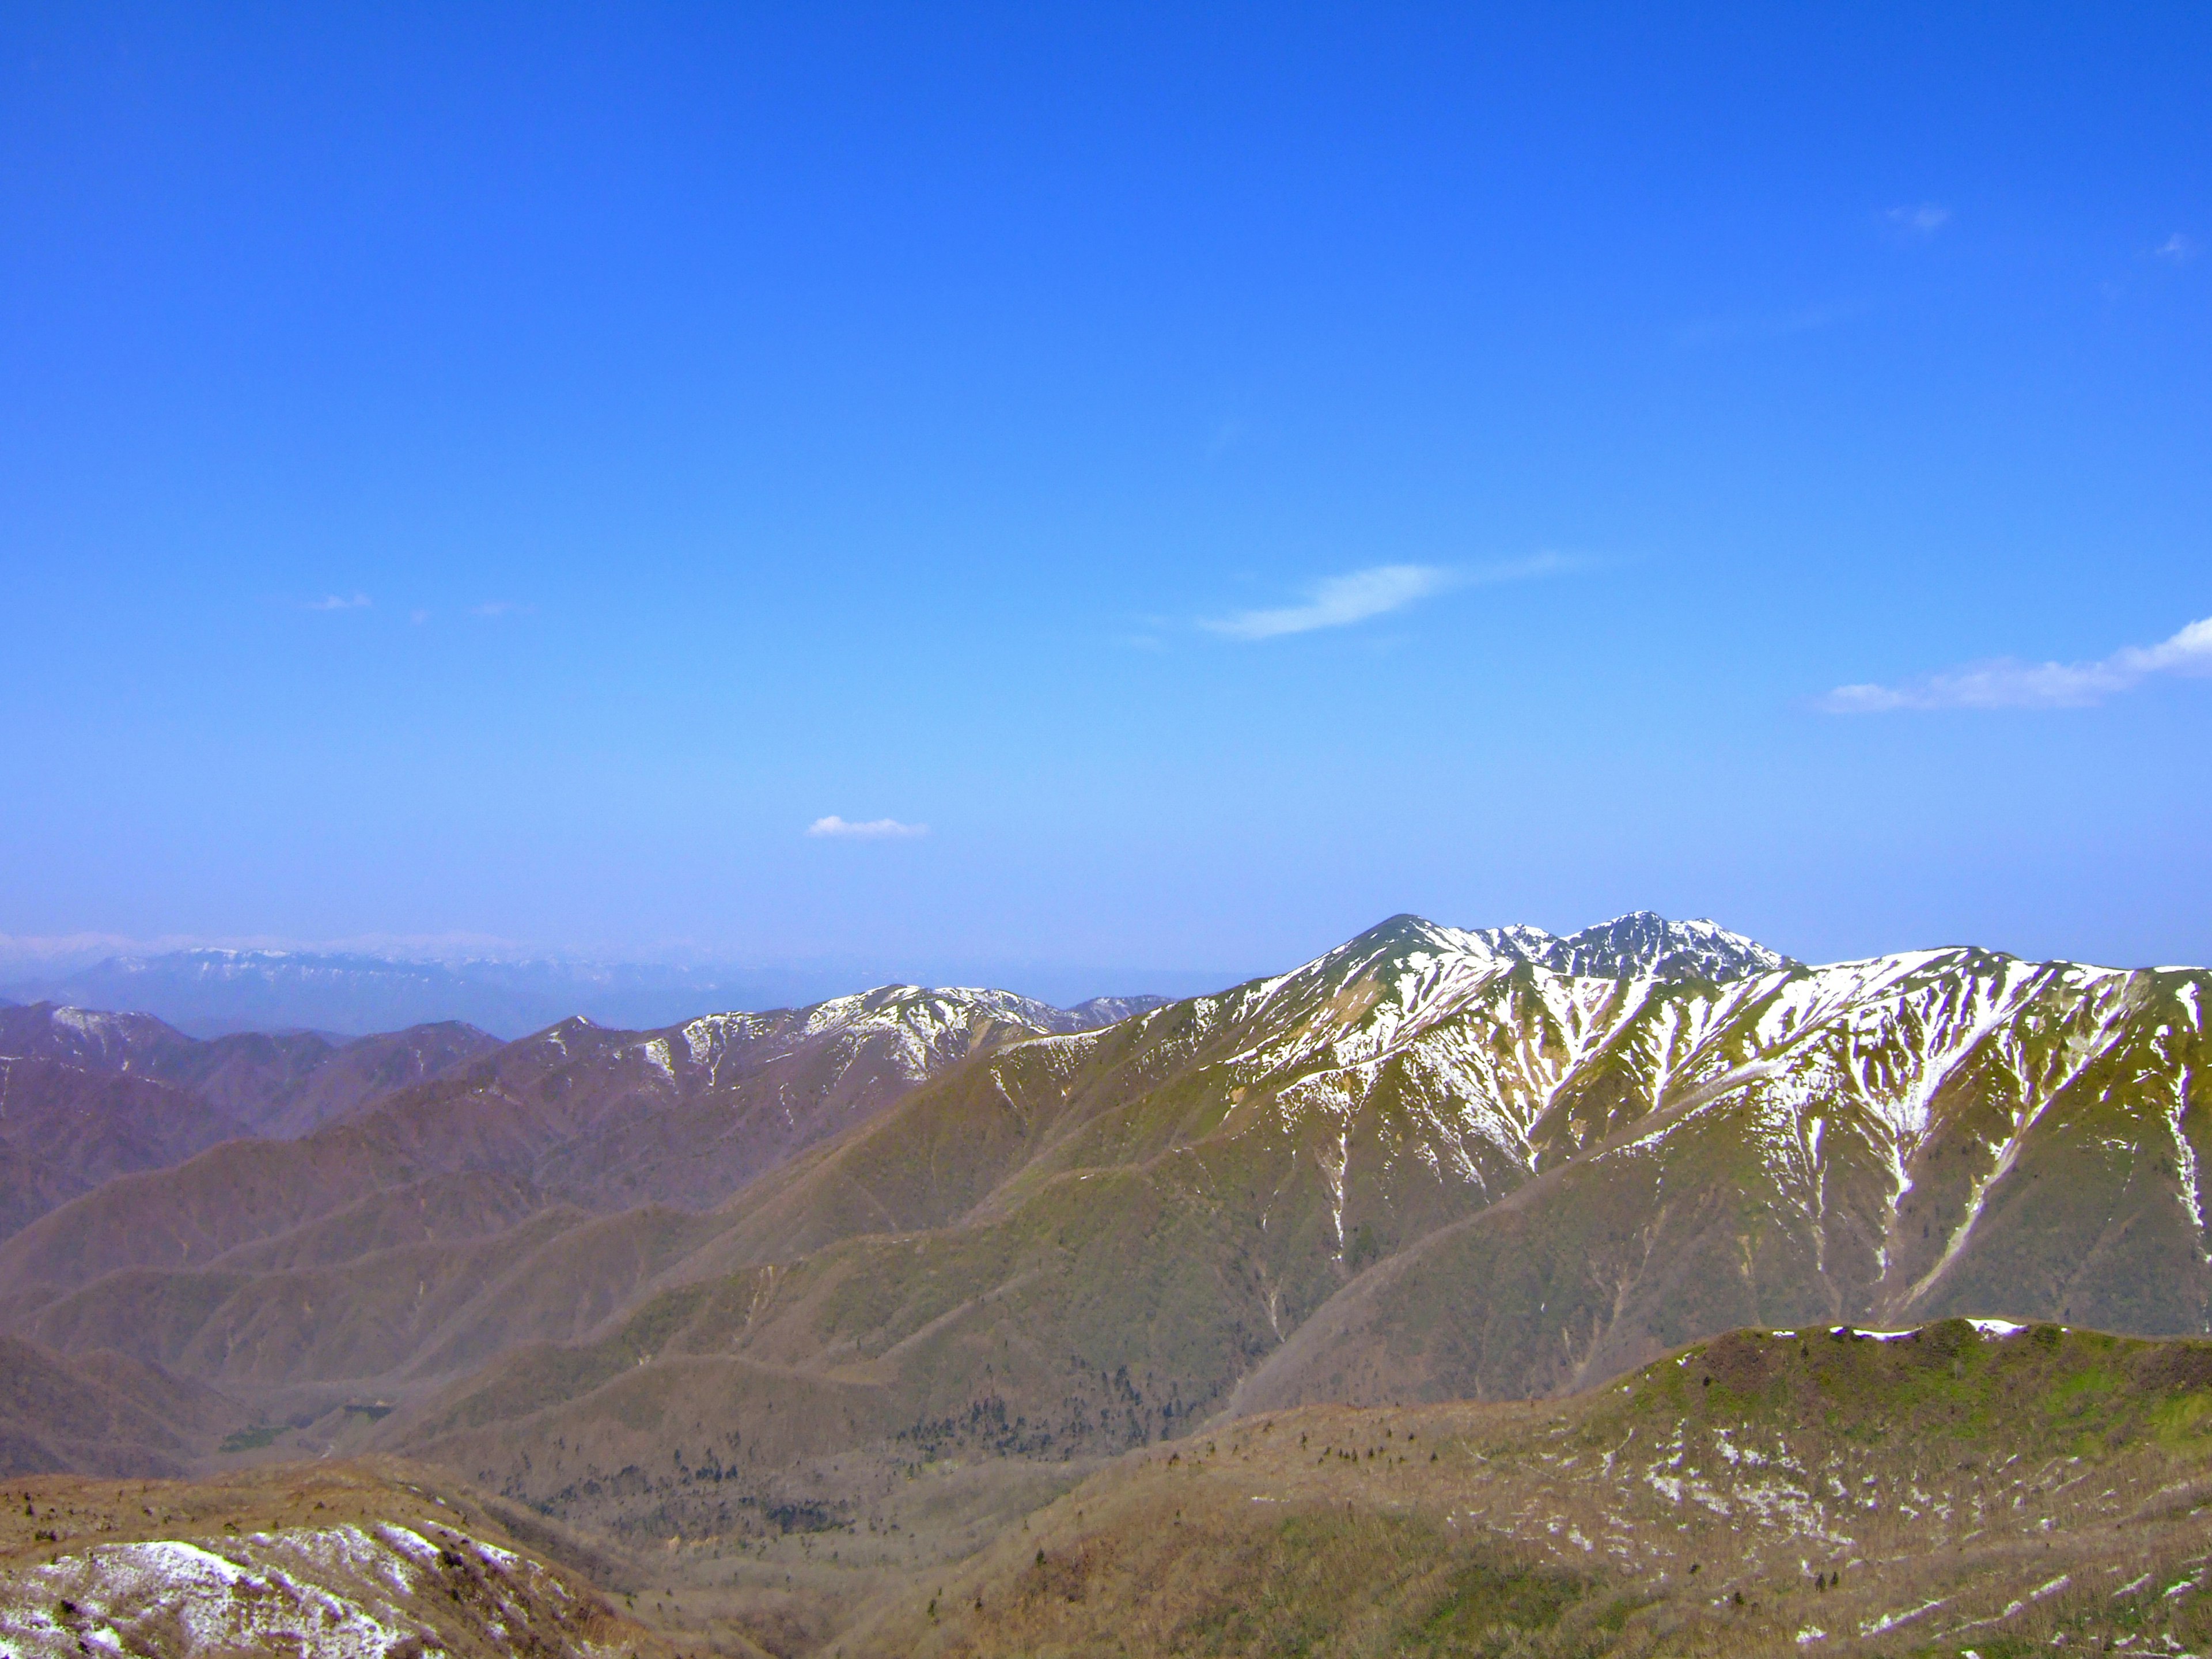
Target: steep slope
1950,1132
1419,1167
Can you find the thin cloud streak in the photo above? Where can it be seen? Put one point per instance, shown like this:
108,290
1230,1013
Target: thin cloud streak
1340,601
339,602
2007,684
1924,219
872,830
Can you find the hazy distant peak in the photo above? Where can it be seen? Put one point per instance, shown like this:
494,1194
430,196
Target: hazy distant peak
1095,1012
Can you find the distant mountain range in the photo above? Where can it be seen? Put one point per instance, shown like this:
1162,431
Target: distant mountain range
86,1096
210,993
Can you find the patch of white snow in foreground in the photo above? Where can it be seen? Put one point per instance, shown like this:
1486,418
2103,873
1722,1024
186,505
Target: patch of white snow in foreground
327,1593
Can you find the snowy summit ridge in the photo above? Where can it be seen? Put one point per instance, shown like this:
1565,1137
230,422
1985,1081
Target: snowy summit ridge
1641,944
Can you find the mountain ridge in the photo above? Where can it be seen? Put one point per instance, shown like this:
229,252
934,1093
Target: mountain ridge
214,992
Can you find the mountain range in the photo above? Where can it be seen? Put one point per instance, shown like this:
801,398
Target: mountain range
213,993
905,1265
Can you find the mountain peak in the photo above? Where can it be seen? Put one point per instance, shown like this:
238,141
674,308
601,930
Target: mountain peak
1642,944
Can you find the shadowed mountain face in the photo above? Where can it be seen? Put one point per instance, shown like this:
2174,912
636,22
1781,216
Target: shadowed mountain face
102,1414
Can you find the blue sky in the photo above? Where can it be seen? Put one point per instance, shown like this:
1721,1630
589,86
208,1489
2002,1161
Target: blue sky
1218,476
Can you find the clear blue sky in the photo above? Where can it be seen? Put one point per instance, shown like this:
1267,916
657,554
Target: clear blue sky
1230,475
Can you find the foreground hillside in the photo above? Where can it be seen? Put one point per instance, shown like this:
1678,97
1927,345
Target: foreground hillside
319,1562
1765,1492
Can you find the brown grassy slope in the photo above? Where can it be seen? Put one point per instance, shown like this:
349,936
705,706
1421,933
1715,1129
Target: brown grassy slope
423,1237
603,1119
64,1130
1964,1491
103,1414
314,1550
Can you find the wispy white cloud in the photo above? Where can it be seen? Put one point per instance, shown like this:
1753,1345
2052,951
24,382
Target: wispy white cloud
2176,247
1339,601
872,830
497,608
339,602
2007,684
1922,219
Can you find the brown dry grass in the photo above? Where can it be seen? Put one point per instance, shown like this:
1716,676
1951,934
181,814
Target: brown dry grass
2029,1490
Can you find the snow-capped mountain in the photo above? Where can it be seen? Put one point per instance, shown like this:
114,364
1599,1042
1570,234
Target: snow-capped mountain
1641,944
1424,1165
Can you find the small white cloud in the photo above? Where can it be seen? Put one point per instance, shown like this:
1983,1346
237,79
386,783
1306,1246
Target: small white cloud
418,617
1339,601
2176,247
2006,683
872,830
1923,220
339,602
497,608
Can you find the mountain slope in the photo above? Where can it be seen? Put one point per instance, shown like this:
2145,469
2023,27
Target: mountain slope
214,992
65,1131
